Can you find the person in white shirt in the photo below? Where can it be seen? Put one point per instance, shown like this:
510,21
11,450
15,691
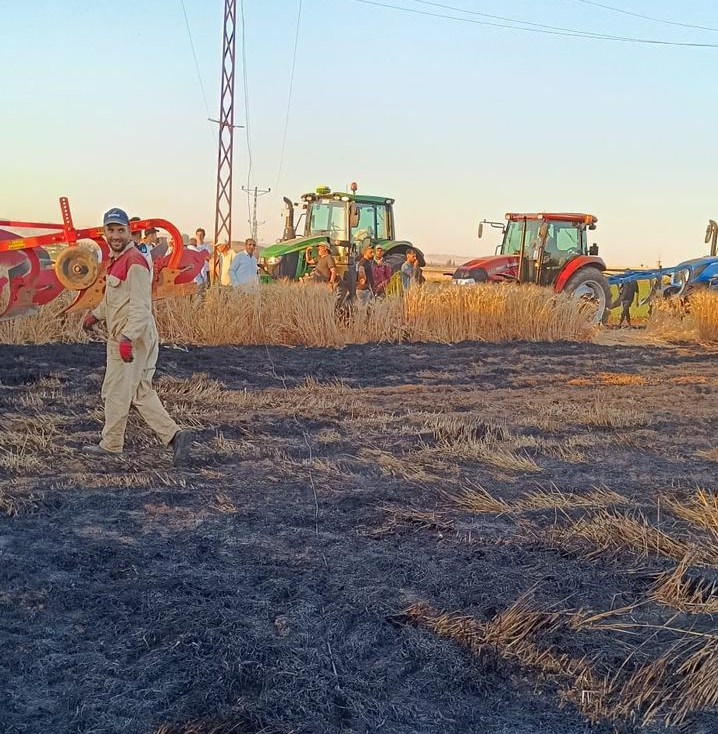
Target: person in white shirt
225,256
203,275
143,247
243,271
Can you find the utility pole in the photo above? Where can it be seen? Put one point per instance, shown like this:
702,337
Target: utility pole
223,207
254,193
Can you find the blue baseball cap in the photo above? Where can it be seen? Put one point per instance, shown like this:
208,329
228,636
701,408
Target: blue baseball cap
116,216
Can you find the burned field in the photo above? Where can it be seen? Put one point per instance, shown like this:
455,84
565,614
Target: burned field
515,539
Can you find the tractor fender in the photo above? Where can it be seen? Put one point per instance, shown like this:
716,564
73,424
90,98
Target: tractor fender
401,246
574,266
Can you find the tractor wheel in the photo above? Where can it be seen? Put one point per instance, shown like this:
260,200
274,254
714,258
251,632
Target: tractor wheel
395,259
590,283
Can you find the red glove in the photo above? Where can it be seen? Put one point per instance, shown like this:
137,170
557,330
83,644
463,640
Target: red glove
126,349
89,321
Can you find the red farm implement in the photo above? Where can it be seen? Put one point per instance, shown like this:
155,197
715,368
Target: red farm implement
36,269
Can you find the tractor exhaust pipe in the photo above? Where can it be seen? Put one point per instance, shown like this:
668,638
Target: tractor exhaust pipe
289,231
712,236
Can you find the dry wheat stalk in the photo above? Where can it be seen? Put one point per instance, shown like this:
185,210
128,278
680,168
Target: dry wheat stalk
610,532
675,590
701,510
303,314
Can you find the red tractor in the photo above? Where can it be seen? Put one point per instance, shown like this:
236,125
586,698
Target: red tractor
546,249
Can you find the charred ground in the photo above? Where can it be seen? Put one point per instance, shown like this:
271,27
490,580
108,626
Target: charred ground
292,578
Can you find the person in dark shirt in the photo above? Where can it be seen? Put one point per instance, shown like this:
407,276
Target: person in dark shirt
627,293
365,275
325,270
382,272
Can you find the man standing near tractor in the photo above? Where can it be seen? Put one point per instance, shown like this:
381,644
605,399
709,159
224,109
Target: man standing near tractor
627,293
382,272
325,270
365,275
132,346
411,275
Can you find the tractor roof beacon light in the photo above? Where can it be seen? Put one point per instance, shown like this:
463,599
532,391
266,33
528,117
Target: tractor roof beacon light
323,190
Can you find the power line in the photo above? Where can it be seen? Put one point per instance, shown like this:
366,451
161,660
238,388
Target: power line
647,17
571,33
503,18
246,101
194,55
289,95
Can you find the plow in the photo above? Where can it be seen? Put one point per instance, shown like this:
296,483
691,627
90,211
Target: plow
38,268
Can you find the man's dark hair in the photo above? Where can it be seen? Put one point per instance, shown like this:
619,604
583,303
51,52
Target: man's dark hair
198,230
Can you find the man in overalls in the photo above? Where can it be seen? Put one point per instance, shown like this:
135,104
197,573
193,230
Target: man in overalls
132,346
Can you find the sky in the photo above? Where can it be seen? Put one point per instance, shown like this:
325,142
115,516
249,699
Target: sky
458,121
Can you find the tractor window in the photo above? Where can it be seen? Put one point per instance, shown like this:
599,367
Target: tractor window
373,220
565,236
514,234
382,223
328,218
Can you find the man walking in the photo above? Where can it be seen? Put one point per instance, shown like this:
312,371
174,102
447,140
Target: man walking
243,270
626,295
132,346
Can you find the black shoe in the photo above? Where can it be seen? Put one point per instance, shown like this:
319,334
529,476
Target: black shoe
180,444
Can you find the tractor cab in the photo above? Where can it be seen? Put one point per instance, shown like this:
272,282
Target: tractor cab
348,220
545,243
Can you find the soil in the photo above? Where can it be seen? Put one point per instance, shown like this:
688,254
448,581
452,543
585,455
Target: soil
263,587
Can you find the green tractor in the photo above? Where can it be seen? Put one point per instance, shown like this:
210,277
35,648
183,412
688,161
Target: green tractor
347,222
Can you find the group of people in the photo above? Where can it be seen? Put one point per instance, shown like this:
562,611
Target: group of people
239,267
237,263
373,272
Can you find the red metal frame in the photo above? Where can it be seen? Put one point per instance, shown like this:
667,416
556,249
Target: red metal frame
587,219
173,273
66,234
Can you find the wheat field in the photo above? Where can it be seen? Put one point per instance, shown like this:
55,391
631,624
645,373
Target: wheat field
305,315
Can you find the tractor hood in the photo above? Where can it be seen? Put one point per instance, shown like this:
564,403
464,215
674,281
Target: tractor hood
496,267
299,244
697,261
280,249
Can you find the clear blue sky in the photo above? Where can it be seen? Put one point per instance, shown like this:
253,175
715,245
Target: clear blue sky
457,121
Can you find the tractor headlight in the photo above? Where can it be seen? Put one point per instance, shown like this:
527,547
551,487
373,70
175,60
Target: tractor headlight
273,260
681,277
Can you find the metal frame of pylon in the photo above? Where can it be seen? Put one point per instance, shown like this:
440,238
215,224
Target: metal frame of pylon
223,208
